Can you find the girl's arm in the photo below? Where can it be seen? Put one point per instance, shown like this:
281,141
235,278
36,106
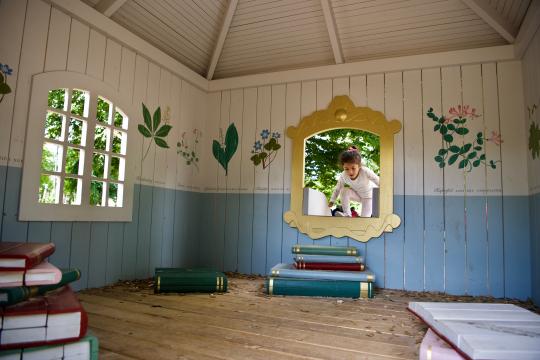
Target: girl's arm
337,190
371,175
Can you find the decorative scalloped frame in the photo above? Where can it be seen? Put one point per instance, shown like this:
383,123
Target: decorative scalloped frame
342,113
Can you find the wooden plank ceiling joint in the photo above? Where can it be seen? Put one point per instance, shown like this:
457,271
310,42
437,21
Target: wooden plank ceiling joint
332,32
530,25
486,12
221,39
109,7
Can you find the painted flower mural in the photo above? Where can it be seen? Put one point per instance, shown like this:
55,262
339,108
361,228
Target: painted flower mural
225,148
5,89
187,150
151,129
265,151
468,155
534,133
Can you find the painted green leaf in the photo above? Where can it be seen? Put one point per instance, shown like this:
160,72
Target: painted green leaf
472,155
161,143
144,131
218,153
462,131
442,164
4,88
147,118
277,147
480,141
437,127
478,148
438,158
231,141
479,135
164,130
157,118
451,127
443,152
476,163
444,129
256,159
448,138
492,164
455,149
483,157
463,163
453,159
465,148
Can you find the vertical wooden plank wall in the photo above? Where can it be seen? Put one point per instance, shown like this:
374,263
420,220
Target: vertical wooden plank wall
38,37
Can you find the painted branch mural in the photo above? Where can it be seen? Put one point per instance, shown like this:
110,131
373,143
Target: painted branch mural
152,130
534,133
224,149
470,154
189,151
5,71
265,150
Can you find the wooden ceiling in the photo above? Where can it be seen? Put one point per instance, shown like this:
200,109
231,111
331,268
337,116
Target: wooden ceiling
227,38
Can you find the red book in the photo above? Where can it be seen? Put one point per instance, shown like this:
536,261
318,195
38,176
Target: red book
329,266
20,256
57,317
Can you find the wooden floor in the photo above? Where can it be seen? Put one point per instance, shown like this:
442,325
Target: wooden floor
133,323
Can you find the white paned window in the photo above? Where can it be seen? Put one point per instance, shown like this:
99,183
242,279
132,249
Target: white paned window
76,160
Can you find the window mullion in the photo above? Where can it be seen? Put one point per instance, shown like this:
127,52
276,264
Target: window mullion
88,158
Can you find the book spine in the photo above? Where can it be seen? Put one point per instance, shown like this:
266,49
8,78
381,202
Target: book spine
329,266
17,294
162,284
336,288
37,256
298,249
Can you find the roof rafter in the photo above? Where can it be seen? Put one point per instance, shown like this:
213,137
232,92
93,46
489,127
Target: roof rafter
109,7
332,32
221,38
529,26
486,12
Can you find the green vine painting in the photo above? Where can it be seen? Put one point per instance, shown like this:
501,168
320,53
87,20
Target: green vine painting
452,128
225,148
5,89
189,152
534,133
152,130
265,150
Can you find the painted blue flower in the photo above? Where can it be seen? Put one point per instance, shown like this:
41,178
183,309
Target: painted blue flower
276,135
6,69
265,133
257,146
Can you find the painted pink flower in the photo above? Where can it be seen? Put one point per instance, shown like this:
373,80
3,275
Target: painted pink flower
463,111
495,138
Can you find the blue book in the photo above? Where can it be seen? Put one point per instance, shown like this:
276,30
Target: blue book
289,271
329,259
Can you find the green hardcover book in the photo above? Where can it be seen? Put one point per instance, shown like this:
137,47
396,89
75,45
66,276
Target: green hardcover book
327,288
325,250
10,296
189,280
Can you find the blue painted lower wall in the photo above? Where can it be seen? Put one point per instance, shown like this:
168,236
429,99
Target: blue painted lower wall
472,245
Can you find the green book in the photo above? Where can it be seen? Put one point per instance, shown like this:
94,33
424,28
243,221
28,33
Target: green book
189,280
83,349
325,250
327,288
10,296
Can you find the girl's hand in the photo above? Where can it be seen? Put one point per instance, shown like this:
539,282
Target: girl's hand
330,204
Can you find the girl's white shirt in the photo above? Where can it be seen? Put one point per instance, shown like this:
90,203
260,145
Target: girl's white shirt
362,185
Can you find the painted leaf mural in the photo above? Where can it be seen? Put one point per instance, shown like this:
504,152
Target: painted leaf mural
189,151
224,149
5,89
151,129
534,133
452,128
265,150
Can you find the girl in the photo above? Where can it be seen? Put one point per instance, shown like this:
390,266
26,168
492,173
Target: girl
354,183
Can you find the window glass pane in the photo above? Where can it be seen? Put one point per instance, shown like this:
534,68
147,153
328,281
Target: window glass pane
79,102
57,99
74,161
98,165
117,168
119,142
77,132
49,189
51,157
101,138
72,191
103,111
116,192
118,118
96,193
54,125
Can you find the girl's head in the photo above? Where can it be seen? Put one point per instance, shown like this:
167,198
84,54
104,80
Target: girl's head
351,161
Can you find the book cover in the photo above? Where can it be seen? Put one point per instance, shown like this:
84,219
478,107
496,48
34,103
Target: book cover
10,296
325,250
86,348
329,266
306,258
42,274
21,256
289,271
56,317
189,280
325,288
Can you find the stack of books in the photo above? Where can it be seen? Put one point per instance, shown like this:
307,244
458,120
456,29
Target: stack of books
180,280
40,315
334,271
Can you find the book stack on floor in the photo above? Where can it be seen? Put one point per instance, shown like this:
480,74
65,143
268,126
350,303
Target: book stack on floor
334,271
41,317
181,280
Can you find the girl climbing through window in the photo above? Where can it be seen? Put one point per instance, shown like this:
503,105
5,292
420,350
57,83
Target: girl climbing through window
355,183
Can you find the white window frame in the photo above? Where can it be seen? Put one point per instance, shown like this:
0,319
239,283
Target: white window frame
30,208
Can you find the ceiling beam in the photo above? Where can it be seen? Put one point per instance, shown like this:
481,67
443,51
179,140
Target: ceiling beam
486,12
221,39
332,32
109,7
528,28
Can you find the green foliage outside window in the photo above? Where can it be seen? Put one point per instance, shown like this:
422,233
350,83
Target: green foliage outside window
322,156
